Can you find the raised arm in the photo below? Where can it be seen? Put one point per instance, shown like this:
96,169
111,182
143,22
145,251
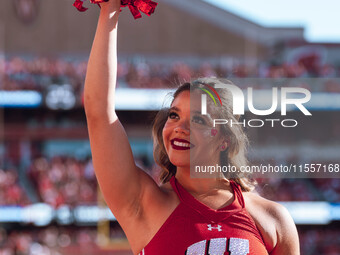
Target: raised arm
125,187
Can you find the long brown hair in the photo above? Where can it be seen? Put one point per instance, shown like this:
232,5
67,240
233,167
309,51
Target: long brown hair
235,155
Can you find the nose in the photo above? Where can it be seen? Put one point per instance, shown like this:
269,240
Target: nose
183,127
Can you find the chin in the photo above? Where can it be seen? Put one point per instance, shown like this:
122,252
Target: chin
180,163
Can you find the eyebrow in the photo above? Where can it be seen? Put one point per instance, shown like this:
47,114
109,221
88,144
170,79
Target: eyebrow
174,108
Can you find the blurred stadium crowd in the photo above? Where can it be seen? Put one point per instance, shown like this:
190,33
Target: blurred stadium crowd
55,240
67,180
34,170
37,74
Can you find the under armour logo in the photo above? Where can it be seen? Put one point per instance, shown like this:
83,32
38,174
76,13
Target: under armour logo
210,228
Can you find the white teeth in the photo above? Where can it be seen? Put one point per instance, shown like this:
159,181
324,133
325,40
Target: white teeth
181,144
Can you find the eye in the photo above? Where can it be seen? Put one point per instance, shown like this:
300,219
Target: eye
198,120
173,115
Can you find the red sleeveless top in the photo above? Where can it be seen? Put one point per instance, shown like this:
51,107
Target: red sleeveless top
195,229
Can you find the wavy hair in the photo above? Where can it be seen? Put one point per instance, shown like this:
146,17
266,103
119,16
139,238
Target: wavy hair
235,155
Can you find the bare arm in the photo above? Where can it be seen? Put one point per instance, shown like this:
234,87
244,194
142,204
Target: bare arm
287,236
275,224
125,187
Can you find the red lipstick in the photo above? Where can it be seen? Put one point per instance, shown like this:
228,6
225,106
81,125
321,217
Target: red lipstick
181,144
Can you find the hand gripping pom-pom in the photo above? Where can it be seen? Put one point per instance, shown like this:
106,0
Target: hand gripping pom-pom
135,6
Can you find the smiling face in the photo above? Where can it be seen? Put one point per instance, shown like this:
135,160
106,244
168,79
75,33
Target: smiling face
189,136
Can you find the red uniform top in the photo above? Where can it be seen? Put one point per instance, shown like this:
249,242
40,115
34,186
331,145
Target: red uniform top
195,229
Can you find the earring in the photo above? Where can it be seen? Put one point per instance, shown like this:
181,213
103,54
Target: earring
223,147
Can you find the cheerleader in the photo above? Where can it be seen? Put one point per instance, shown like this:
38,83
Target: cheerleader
183,215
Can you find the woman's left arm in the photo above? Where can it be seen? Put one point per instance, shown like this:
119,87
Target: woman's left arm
287,236
274,223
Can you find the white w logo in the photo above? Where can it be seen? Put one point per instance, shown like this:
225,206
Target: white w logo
218,246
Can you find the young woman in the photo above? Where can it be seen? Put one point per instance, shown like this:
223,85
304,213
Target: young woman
184,215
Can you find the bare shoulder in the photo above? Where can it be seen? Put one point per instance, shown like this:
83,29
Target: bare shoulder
270,208
275,224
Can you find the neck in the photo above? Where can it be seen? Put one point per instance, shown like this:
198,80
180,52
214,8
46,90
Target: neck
201,186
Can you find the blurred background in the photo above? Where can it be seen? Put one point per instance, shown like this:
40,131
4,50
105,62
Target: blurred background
49,202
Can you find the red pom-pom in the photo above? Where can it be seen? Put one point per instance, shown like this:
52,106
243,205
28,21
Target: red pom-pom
135,6
79,5
146,6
